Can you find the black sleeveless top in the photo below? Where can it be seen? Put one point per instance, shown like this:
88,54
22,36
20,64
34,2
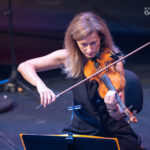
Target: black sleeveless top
93,118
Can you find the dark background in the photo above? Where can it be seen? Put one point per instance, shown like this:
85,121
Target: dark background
39,27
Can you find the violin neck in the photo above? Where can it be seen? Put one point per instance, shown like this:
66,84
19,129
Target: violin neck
109,86
107,82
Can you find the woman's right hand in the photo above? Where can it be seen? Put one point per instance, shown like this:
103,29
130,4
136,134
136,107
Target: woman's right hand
29,69
47,96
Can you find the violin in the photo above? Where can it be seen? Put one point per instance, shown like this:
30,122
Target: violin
109,79
126,110
104,59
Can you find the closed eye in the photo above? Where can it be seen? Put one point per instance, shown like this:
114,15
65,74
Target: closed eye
93,43
84,44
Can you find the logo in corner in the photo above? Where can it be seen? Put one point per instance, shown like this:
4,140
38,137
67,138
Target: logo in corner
147,11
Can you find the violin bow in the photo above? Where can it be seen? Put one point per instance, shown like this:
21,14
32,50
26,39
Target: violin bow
99,71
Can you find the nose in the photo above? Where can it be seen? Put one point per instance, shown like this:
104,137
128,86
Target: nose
89,48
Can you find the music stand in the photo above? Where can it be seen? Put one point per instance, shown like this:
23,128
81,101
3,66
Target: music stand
68,142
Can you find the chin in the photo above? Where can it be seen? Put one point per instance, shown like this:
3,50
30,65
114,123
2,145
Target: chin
91,56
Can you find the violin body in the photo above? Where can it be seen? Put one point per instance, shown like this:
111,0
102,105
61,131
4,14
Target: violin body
105,59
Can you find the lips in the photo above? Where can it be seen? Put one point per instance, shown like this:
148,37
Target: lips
91,55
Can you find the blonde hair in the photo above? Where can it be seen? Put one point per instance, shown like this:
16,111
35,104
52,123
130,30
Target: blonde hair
82,25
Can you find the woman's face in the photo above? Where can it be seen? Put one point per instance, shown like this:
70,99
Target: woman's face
90,45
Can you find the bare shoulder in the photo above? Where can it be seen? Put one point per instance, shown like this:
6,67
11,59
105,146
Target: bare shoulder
59,56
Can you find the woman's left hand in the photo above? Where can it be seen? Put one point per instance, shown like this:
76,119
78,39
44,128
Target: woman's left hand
112,105
110,100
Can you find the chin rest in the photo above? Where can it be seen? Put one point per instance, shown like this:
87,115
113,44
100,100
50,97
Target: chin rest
133,91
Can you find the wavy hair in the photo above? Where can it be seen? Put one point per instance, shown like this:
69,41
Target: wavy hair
82,25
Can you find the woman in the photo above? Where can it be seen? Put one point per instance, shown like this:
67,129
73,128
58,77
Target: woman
86,35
